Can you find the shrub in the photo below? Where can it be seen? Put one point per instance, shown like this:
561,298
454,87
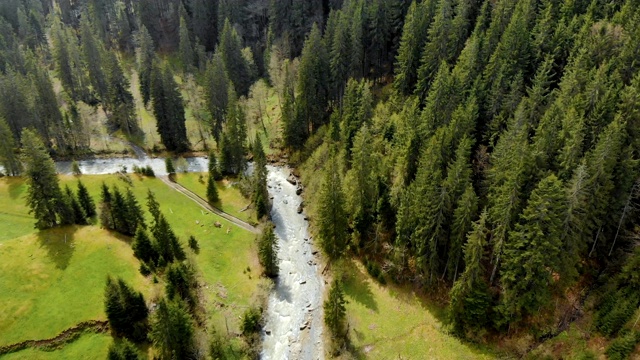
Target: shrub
251,321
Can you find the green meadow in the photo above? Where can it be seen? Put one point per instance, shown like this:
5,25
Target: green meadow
54,279
386,322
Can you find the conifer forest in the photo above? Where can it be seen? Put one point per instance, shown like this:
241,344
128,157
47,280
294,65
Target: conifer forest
474,162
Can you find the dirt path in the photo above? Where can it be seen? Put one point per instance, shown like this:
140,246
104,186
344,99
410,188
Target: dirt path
204,204
95,326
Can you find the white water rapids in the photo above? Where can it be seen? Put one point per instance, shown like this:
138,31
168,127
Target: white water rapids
294,320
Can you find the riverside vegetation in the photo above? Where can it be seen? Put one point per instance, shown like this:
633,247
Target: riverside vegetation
471,163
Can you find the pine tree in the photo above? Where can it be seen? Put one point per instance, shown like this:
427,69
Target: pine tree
414,37
260,195
340,55
335,313
235,64
212,192
469,298
134,214
181,283
145,55
332,218
44,197
532,255
8,158
79,215
312,86
106,217
126,310
86,202
92,57
268,251
143,248
186,49
168,108
172,330
216,93
212,166
232,145
123,350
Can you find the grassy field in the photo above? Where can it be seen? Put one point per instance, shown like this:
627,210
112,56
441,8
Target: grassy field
15,220
54,279
231,200
390,323
88,346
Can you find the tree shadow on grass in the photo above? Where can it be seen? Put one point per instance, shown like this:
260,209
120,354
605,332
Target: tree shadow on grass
59,243
17,187
358,288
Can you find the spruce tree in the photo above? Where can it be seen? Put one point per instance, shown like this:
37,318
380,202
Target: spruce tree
79,215
216,93
106,216
92,57
86,201
469,300
335,313
168,108
232,146
532,255
126,310
123,350
212,166
145,55
172,330
231,51
212,191
186,48
332,218
8,158
119,98
44,198
268,251
312,88
143,248
260,195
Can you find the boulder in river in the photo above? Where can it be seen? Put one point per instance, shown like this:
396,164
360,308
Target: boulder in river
299,190
301,208
292,180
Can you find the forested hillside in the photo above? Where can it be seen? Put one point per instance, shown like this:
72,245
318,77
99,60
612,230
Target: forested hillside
485,153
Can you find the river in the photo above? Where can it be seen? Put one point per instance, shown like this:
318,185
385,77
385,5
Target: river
294,321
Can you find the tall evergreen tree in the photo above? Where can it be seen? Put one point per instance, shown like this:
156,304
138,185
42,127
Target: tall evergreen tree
260,195
8,158
44,196
186,52
268,251
92,57
312,86
85,200
172,330
231,51
335,313
216,92
332,218
126,310
145,54
414,37
532,255
232,144
168,108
